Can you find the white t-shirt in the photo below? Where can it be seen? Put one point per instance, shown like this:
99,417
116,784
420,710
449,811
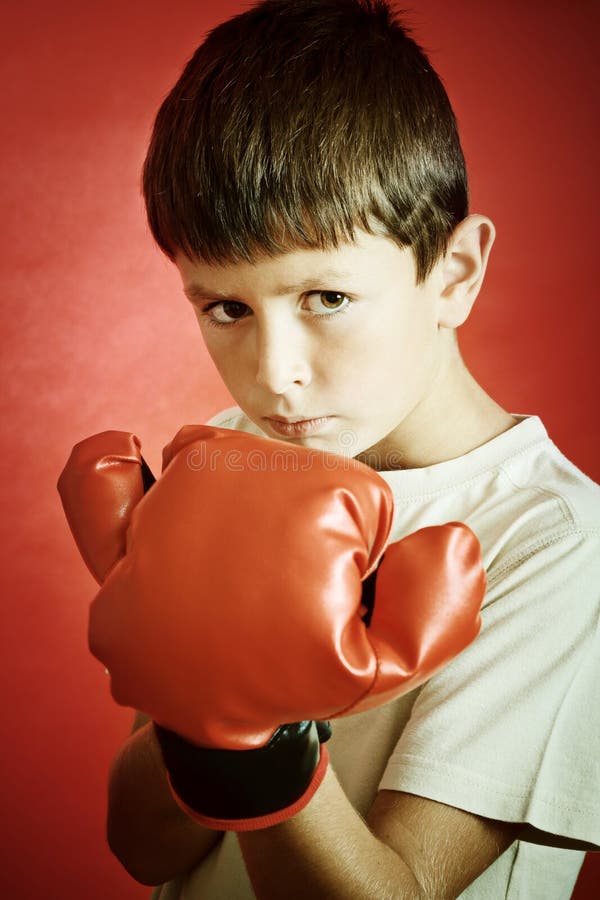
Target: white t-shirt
510,729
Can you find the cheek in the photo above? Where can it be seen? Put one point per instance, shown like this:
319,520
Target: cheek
358,369
394,360
233,372
225,355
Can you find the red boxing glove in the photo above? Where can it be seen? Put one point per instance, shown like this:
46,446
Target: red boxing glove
239,604
103,480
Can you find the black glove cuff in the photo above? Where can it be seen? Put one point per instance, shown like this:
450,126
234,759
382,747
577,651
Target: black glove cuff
244,784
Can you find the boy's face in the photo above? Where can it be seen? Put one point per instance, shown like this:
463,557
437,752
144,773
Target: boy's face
343,340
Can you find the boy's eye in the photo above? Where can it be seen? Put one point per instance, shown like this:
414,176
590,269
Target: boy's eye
323,302
227,311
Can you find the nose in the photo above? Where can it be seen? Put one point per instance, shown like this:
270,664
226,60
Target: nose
282,357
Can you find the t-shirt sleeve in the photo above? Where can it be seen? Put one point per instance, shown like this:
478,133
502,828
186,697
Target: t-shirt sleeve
510,729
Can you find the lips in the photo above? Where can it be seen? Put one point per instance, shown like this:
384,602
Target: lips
293,420
295,426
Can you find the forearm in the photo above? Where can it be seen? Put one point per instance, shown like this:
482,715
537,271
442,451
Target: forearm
326,851
147,831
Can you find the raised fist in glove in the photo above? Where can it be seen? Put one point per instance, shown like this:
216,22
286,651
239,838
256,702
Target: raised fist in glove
240,604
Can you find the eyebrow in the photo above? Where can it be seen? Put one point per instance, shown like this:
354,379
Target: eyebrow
195,290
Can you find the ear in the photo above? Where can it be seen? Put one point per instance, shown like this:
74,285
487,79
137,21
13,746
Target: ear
463,267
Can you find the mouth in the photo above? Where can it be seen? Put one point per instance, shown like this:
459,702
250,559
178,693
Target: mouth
294,426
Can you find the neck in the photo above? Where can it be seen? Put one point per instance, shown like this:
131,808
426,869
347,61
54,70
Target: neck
455,416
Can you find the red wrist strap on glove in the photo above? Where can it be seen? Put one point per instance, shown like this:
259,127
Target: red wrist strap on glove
243,790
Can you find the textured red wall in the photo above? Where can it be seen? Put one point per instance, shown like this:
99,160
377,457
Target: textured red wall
96,334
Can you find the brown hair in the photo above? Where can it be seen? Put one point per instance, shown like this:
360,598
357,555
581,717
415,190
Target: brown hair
296,122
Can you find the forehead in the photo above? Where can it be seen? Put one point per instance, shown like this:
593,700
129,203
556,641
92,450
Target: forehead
359,264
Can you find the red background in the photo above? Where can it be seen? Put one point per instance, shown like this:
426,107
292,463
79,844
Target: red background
97,335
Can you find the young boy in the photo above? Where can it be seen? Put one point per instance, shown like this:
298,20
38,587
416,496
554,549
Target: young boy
306,177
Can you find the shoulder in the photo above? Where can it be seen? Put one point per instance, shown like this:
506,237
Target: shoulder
552,512
517,492
545,476
531,508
